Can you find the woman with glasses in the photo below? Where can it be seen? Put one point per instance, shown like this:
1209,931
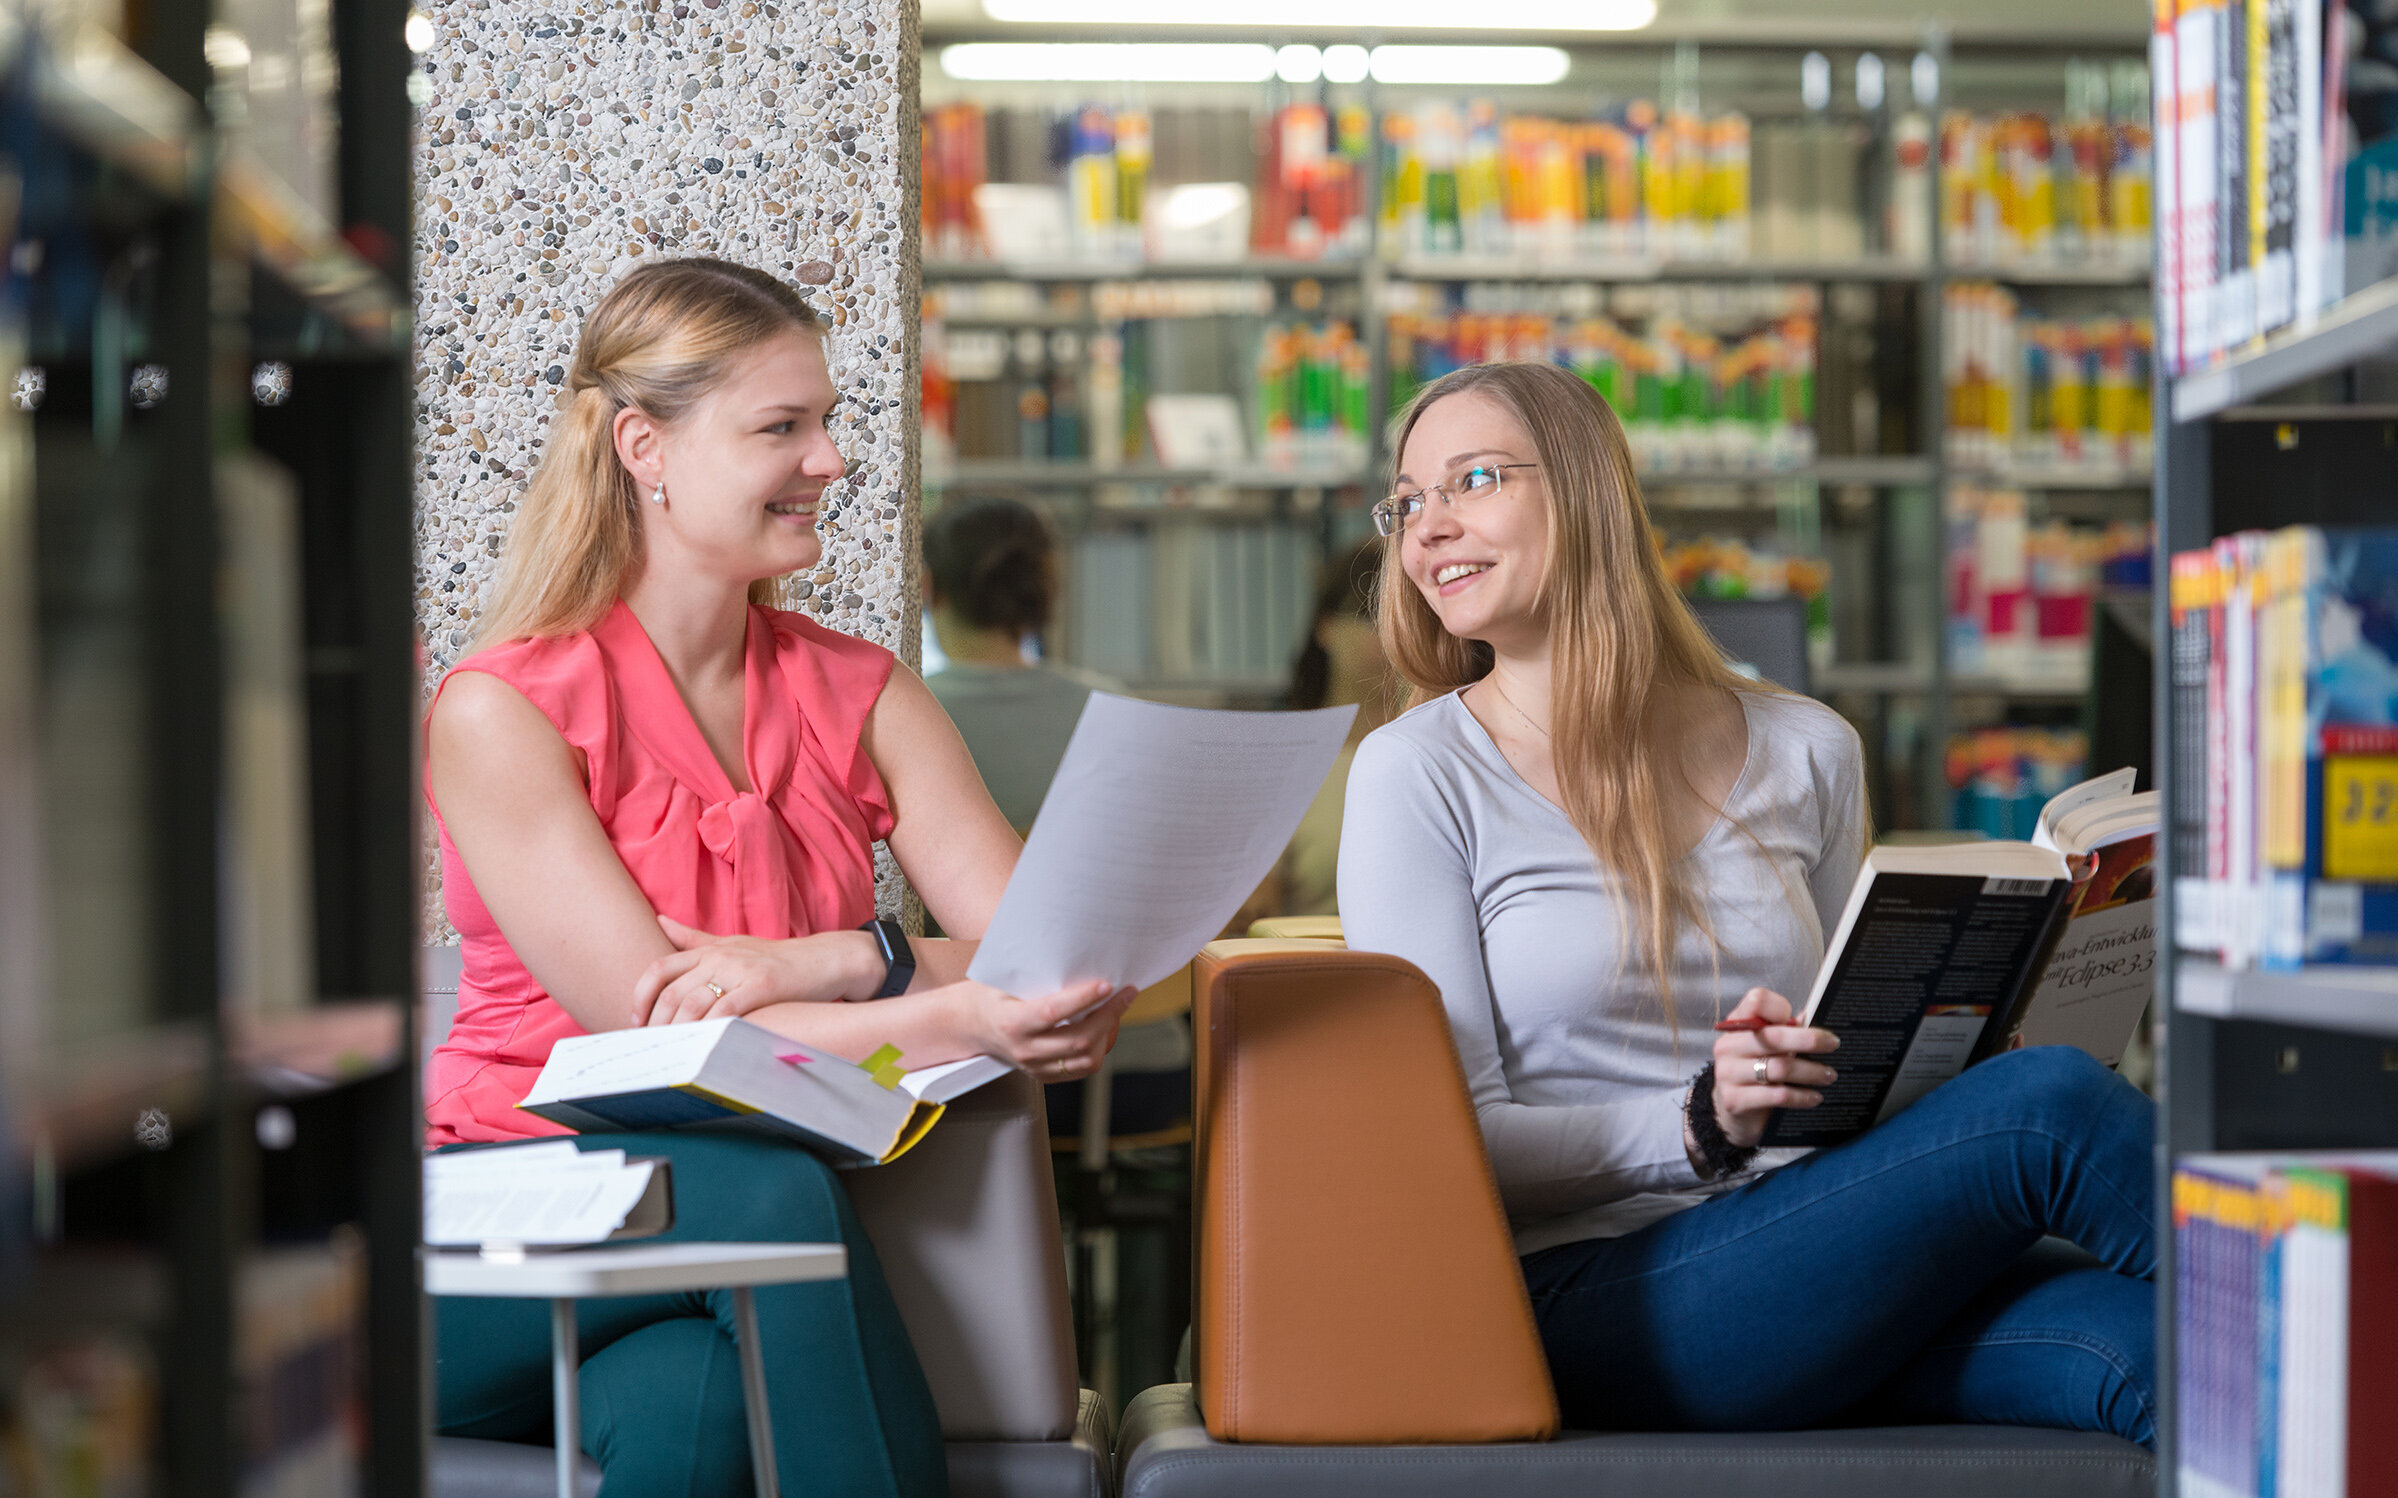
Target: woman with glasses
1598,840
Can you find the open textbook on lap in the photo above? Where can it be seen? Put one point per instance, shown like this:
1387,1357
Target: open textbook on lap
1159,823
1948,954
728,1075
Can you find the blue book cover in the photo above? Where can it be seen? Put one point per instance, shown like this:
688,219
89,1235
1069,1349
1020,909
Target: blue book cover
2350,901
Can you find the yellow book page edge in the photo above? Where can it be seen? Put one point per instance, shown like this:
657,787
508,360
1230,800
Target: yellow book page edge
921,1119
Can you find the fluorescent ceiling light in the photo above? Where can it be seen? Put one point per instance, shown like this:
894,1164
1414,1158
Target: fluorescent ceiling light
1335,15
1299,63
1442,66
1108,62
1346,64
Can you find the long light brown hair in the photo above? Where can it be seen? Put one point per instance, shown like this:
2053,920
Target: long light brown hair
660,340
1620,636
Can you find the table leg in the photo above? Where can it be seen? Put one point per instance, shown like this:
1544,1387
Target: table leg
566,1359
753,1390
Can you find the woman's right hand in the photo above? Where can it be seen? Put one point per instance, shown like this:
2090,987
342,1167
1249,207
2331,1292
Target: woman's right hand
1044,1036
1757,1071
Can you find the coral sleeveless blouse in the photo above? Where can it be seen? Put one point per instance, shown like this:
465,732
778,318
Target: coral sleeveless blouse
792,857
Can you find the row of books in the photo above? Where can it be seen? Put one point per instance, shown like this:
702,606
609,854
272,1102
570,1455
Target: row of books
2285,705
1219,602
1999,778
2021,593
1466,178
2027,189
1722,567
2273,136
79,1414
2286,1324
1689,397
2049,393
1064,396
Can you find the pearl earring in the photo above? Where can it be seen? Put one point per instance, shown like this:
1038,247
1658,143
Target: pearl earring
657,496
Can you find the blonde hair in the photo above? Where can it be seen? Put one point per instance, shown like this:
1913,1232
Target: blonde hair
1618,632
661,339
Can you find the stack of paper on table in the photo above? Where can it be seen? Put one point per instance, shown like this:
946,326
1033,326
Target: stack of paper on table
547,1195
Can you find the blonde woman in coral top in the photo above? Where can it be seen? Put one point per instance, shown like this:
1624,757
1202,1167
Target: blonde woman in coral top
658,800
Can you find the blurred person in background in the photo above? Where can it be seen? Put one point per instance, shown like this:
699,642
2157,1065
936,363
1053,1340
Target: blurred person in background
1342,662
991,585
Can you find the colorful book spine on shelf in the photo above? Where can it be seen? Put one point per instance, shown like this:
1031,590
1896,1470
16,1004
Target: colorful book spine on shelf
2235,294
2193,605
2165,97
2286,1325
2338,835
2218,1285
2288,642
2197,27
2273,160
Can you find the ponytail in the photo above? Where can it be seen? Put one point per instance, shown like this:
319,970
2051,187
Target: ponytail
658,341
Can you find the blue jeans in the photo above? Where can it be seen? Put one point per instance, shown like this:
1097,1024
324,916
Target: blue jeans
1885,1281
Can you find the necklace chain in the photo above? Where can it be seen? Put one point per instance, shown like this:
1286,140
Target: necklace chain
1493,678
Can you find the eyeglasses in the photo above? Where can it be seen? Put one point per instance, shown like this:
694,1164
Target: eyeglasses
1478,482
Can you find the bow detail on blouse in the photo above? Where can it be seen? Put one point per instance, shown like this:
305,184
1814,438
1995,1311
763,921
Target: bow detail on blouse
747,837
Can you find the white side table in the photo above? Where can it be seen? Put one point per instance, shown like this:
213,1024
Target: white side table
642,1269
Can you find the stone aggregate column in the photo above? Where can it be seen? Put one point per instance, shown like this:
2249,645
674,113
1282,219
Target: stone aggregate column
563,142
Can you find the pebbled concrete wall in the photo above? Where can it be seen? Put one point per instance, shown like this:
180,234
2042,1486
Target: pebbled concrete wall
564,141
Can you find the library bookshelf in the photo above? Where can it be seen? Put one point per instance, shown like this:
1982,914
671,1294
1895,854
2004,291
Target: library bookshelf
1868,499
208,1112
2289,430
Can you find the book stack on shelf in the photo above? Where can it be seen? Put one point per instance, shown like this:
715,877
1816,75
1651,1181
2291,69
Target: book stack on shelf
2270,180
2058,399
1718,379
2286,810
2021,594
2286,1324
2023,190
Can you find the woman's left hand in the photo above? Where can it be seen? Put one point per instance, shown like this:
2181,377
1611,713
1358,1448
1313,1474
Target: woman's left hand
711,977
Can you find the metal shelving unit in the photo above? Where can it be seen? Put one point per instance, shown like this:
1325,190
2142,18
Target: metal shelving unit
136,1185
2252,1060
1919,691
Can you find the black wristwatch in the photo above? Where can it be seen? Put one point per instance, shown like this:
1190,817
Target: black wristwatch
899,959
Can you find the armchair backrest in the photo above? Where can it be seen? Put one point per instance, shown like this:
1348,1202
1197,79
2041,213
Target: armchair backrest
965,1227
1357,1282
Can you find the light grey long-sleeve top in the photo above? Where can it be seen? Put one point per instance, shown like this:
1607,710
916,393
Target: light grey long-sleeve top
1578,1076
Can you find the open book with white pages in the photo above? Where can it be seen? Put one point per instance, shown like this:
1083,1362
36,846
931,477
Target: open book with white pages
1947,954
728,1074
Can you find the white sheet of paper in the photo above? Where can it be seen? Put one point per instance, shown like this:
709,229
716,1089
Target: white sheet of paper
532,1195
1160,822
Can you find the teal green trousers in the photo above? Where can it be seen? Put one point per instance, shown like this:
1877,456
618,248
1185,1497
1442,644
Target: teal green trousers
662,1411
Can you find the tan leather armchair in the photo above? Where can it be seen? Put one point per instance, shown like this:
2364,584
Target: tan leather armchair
1362,1329
1357,1283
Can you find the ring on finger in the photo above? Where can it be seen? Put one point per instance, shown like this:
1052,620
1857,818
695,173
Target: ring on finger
713,988
1757,1069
